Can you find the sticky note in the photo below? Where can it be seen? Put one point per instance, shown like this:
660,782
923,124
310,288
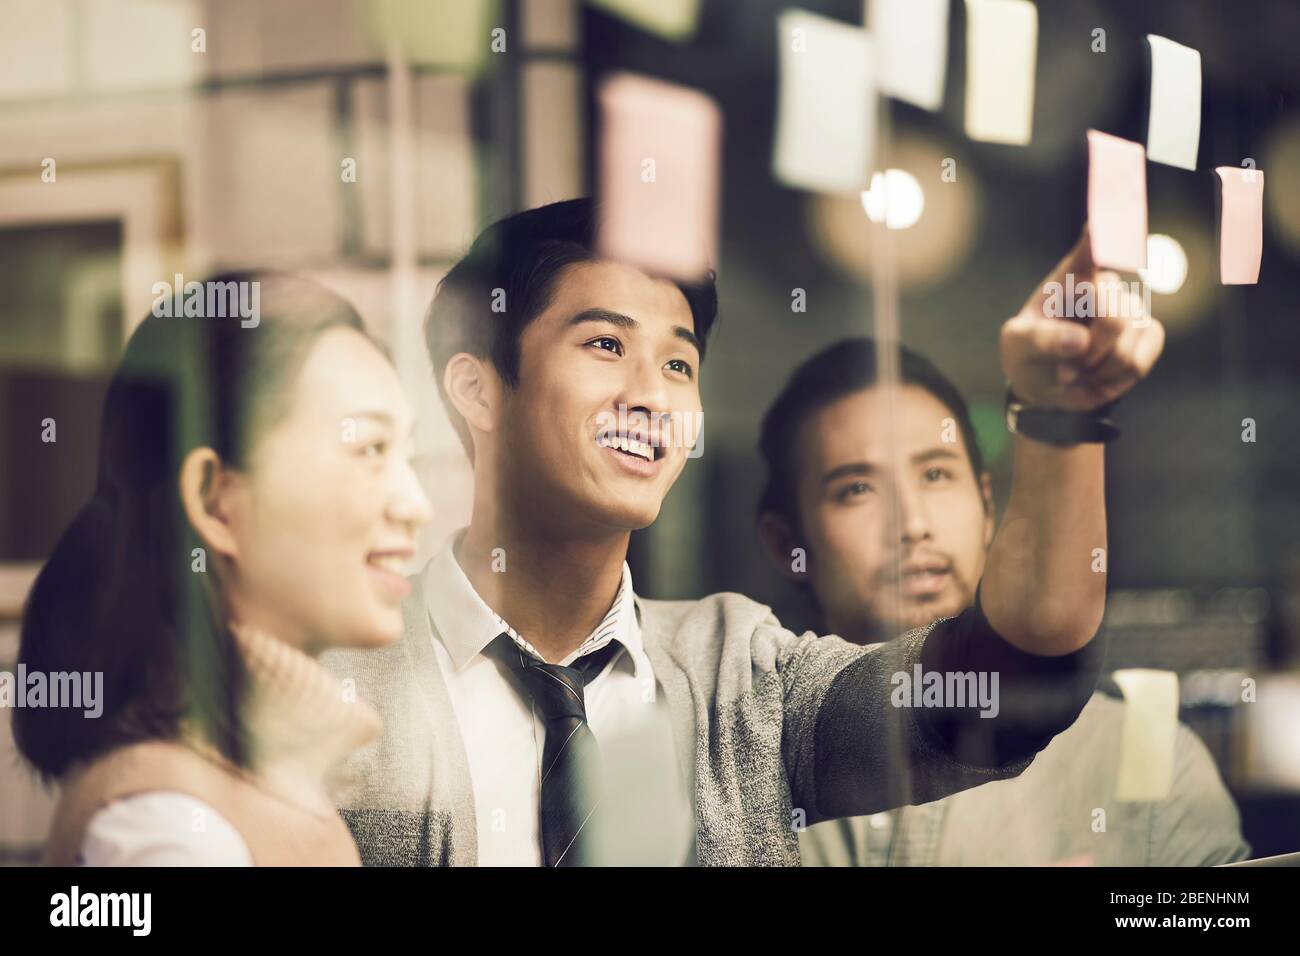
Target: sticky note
645,817
1174,123
658,175
1117,202
1241,224
671,19
826,106
1146,761
449,35
911,43
1001,51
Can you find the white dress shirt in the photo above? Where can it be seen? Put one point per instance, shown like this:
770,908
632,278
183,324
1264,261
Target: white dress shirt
504,736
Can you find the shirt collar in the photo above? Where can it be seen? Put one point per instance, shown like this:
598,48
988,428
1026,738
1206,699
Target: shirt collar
466,625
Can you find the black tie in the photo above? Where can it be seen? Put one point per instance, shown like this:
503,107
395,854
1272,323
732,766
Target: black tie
570,756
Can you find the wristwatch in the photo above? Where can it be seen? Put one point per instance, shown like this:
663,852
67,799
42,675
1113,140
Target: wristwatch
1058,427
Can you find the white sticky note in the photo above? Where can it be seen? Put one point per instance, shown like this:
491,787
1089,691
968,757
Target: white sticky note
1241,224
826,107
911,43
645,816
1174,124
1117,202
1146,761
671,19
658,168
1001,54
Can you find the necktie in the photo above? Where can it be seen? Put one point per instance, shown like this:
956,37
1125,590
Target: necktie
570,755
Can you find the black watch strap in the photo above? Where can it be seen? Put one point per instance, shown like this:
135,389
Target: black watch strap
1057,427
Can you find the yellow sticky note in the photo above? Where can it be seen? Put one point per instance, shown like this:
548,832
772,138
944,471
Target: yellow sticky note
1174,123
911,43
449,35
1241,224
671,19
826,107
1146,762
1117,202
1001,53
658,169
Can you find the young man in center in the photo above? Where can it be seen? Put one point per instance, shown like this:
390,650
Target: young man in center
831,489
529,664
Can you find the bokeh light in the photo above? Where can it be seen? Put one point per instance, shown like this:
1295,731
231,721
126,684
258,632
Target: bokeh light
895,198
1166,269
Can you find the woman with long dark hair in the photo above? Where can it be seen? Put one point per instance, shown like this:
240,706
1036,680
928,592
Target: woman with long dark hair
254,506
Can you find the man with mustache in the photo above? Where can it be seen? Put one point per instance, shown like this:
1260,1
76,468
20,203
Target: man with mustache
895,534
530,666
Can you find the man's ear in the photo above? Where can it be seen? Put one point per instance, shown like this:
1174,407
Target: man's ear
779,542
986,492
474,388
206,487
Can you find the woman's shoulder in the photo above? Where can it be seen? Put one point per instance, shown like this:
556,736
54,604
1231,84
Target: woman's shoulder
146,803
162,828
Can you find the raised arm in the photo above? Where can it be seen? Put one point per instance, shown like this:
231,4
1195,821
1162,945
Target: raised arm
1044,585
852,746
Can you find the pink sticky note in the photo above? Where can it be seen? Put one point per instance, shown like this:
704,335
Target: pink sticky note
1241,224
659,147
1117,202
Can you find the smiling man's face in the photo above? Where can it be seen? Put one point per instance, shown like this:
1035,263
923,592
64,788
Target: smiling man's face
613,353
894,541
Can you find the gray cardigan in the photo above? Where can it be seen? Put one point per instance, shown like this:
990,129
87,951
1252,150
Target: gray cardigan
766,723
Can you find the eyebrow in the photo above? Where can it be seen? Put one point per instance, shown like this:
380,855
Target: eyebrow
384,418
866,468
627,322
853,468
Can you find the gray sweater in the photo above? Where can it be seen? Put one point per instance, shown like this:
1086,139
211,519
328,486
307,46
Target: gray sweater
767,723
1050,813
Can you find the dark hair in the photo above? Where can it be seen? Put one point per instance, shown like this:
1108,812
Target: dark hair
841,369
118,595
521,256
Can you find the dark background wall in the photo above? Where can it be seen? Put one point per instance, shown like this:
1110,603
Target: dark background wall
1190,503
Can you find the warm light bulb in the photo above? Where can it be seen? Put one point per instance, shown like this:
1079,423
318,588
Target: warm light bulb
895,197
1166,269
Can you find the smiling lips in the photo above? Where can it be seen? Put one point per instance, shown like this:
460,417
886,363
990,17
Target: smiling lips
389,569
633,451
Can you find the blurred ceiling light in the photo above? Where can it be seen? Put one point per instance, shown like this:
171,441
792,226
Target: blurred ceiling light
1166,269
895,198
1183,272
931,226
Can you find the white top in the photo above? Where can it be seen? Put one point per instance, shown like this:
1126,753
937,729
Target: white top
162,828
503,737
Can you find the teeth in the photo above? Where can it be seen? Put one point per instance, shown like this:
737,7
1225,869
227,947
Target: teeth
390,562
630,445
